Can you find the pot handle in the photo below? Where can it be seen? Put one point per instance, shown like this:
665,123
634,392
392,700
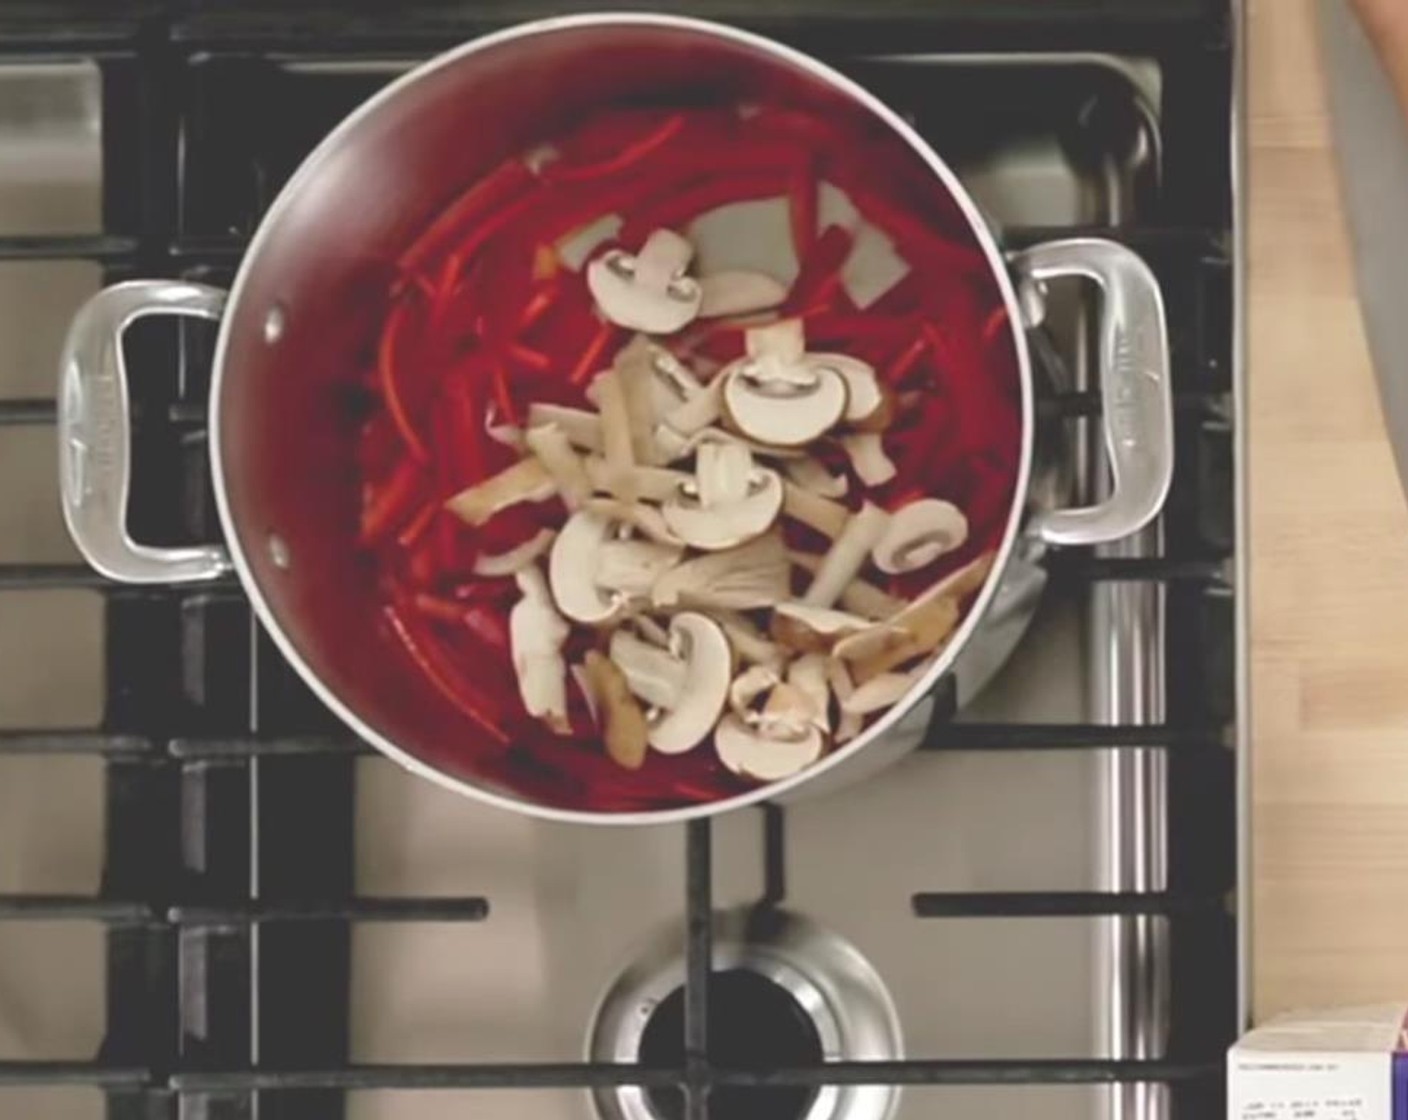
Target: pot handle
1134,383
95,438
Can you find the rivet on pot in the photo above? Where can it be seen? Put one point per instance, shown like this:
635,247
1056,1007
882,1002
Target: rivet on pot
274,324
278,552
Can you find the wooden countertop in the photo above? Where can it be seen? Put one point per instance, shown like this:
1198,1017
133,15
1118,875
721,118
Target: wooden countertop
1329,570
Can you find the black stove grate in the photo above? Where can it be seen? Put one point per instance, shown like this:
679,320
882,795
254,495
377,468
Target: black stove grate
215,752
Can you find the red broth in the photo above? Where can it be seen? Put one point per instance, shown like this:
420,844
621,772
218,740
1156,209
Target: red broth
484,319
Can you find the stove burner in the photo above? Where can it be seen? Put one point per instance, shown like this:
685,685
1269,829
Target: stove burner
784,993
755,1023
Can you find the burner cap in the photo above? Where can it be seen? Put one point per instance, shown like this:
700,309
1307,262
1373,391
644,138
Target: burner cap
784,993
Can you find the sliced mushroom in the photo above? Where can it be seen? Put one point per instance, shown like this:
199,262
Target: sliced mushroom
695,413
919,629
918,534
878,693
781,406
730,501
700,644
809,629
525,481
516,558
582,428
763,753
550,445
810,475
866,403
536,634
649,291
739,292
631,567
572,570
849,725
624,727
859,597
672,383
847,556
752,576
748,688
866,451
651,630
576,248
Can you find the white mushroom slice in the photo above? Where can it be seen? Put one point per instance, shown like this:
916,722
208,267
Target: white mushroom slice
918,630
748,752
583,681
550,445
781,406
536,633
859,597
581,427
655,675
866,452
730,501
847,555
748,688
918,534
576,248
525,481
624,727
719,435
783,342
739,292
810,475
644,519
814,629
746,578
700,644
649,291
572,570
749,643
865,400
632,566
651,630
808,676
516,558
650,484
618,447
825,516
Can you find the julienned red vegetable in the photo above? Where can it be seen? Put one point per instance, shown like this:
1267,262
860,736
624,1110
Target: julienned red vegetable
485,319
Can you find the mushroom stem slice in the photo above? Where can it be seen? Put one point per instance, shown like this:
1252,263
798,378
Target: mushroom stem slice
878,693
609,395
866,450
847,556
729,502
849,725
748,688
653,674
749,577
749,643
536,634
525,481
573,565
650,484
810,629
708,661
825,516
918,534
516,558
550,445
624,727
859,597
808,676
696,413
635,368
865,399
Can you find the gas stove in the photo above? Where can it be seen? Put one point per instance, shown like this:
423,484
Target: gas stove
215,904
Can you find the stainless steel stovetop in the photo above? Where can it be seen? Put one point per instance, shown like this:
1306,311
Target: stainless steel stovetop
573,907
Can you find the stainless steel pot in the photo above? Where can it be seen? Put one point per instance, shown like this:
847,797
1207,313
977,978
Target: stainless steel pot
309,293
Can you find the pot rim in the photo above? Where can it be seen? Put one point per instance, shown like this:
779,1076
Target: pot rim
310,168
